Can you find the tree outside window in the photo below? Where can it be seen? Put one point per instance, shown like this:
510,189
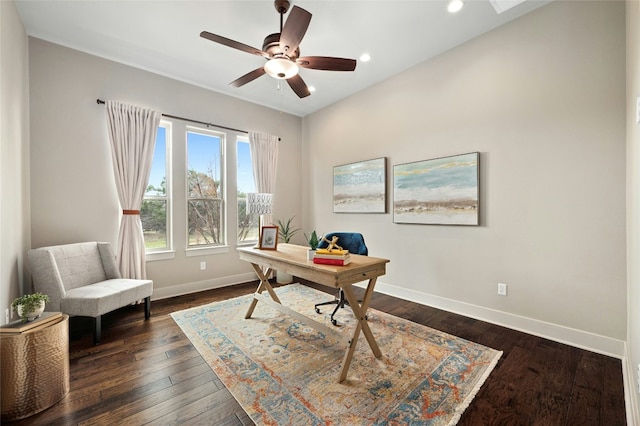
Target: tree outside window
204,195
154,211
247,223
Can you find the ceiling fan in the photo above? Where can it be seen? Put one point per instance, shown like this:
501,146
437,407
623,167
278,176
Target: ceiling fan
282,52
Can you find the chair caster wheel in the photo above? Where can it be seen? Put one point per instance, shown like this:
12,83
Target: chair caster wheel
334,322
317,311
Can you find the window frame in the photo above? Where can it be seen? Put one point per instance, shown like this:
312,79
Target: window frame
168,251
222,246
246,242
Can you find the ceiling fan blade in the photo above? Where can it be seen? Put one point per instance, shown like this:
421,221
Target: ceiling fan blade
250,76
299,86
327,63
232,43
294,29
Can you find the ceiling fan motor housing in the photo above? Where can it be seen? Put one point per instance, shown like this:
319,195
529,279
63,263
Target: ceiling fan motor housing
282,52
271,45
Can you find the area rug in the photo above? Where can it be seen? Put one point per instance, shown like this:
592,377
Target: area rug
285,373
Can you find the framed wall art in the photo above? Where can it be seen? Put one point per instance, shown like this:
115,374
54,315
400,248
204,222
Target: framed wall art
360,187
269,238
442,191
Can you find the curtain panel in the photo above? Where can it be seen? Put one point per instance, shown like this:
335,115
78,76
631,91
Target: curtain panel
264,158
132,135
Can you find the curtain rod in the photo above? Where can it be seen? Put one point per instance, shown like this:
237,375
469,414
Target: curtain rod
101,102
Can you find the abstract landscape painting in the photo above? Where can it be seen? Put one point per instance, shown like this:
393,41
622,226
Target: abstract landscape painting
360,187
442,191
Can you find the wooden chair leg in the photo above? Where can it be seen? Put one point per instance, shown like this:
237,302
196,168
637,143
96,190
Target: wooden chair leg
147,307
97,329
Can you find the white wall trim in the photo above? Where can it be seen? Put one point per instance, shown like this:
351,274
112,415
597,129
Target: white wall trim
629,401
570,336
194,287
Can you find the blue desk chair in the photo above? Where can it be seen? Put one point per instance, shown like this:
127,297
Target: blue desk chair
353,242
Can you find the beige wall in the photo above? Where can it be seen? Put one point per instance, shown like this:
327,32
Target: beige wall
14,154
633,204
543,100
73,194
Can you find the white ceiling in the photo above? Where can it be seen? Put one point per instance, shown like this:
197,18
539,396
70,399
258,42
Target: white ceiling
163,37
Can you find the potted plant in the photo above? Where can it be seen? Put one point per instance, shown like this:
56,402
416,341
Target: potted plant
30,306
286,231
313,241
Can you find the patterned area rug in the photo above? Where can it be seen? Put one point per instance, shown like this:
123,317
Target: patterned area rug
285,373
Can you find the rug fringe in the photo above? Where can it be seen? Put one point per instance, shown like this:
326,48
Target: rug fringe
470,397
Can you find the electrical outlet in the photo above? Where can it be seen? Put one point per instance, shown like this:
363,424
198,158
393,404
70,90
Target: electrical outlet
203,266
6,316
502,289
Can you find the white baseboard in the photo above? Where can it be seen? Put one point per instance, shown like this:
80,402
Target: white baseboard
578,338
570,336
630,392
194,287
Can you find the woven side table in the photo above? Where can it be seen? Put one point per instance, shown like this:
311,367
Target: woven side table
34,369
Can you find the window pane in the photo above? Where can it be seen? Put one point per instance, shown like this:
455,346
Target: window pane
153,215
203,156
247,225
157,179
154,212
204,222
204,189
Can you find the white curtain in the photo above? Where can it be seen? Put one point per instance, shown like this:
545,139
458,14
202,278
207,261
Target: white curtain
264,158
132,134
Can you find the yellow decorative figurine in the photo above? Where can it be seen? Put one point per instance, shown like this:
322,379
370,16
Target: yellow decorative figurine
333,244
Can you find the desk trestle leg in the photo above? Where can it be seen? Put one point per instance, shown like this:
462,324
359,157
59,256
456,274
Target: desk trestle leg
360,313
264,285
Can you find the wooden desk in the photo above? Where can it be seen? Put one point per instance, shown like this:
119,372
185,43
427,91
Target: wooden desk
292,259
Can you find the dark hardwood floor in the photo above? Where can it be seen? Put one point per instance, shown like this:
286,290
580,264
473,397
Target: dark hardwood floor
147,372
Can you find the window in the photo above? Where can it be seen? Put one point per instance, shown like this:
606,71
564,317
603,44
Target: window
154,212
205,208
201,201
247,224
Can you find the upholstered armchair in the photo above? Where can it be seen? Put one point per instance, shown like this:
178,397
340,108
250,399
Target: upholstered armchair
83,279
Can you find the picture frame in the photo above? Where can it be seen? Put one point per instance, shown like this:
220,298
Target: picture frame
360,187
440,191
269,238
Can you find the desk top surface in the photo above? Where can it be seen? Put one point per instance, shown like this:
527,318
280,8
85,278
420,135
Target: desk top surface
292,258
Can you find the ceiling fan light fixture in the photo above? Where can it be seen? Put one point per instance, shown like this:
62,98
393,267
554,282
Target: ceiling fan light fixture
281,68
455,6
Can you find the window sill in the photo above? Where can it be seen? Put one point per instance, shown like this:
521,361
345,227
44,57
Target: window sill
160,255
248,244
205,251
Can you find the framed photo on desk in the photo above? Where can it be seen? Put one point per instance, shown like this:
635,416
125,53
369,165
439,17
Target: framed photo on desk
269,238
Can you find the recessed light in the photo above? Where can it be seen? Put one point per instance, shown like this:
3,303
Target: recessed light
455,6
365,57
311,88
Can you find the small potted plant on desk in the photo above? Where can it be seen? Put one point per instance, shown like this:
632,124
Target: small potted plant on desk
30,306
286,232
313,241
